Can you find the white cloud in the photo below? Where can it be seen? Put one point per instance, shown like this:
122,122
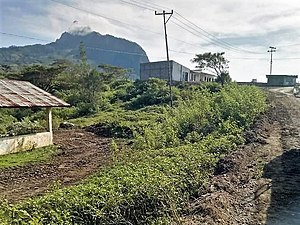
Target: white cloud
247,24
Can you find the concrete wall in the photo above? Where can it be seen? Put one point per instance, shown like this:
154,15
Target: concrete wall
24,142
160,70
281,80
155,69
179,72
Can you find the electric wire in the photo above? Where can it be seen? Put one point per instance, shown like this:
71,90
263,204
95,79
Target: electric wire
136,4
142,54
22,36
105,17
212,39
87,47
195,33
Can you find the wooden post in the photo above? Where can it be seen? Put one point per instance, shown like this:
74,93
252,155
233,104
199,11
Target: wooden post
49,123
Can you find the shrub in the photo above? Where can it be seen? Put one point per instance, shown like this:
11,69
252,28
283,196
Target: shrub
174,155
24,127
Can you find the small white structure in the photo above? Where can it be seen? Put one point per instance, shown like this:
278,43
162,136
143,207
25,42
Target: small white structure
199,76
22,94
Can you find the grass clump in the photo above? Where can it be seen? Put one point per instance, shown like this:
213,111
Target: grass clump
22,158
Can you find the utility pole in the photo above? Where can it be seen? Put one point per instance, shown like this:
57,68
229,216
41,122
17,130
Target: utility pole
272,49
164,13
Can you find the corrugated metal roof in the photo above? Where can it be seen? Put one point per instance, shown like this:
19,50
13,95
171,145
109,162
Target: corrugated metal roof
15,94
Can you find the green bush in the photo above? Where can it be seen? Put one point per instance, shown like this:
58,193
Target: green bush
150,92
150,185
240,104
174,155
24,127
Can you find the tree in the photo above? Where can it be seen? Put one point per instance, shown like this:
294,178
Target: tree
223,78
42,76
82,53
216,62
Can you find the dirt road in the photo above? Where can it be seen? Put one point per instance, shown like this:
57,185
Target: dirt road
81,153
260,183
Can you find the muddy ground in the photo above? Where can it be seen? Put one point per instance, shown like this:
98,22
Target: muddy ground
80,154
260,183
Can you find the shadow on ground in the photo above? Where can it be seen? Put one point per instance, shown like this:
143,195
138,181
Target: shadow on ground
284,171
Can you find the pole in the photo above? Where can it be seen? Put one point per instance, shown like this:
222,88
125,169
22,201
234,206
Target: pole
272,49
164,13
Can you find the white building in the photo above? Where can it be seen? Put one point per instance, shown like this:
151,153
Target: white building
199,76
178,72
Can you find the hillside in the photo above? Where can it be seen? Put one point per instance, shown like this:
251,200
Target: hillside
100,49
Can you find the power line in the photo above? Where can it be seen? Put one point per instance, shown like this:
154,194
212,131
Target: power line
116,51
157,6
127,24
210,37
136,4
92,48
143,6
105,17
22,36
215,38
196,33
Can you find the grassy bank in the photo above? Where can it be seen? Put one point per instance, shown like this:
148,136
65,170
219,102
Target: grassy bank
173,154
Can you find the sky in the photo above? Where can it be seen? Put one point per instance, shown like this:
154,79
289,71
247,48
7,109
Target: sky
243,29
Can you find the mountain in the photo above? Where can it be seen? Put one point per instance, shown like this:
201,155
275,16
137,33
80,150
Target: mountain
100,49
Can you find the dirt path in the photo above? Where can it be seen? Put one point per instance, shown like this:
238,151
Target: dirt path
260,183
81,153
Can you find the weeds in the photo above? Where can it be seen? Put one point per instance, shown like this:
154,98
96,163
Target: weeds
174,153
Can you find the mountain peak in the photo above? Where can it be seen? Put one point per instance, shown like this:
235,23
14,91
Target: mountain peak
80,30
100,49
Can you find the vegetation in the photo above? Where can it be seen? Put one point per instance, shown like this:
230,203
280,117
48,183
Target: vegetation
22,158
172,151
215,61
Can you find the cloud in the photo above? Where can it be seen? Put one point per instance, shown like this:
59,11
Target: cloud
252,25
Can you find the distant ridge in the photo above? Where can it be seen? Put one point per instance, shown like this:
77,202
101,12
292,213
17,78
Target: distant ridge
100,49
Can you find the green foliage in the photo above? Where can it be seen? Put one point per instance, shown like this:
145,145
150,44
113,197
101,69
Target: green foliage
22,158
239,104
42,76
150,185
21,121
174,150
214,61
24,127
5,120
223,78
174,154
150,92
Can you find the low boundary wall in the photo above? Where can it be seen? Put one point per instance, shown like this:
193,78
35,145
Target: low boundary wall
25,142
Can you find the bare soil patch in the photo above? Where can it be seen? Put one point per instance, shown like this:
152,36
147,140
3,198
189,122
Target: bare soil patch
81,153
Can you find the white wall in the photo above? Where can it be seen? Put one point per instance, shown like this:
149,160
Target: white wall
24,142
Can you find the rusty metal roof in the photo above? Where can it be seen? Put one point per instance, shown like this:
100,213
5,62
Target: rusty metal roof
15,94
